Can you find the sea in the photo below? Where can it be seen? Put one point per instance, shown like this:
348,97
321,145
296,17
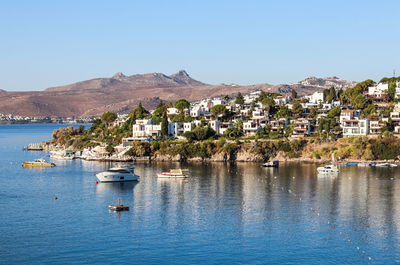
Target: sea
223,213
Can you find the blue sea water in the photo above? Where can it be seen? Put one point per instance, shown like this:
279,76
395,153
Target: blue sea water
236,213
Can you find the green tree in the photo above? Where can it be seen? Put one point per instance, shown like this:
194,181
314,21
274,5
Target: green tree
392,90
268,101
158,112
294,94
239,99
203,132
108,118
218,110
335,112
284,112
181,105
164,125
297,108
359,102
139,113
331,95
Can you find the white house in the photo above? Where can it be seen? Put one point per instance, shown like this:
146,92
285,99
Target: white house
301,128
172,111
250,128
144,129
215,125
316,98
378,90
175,128
355,127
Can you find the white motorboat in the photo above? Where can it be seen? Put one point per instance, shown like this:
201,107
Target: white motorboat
173,173
118,174
328,169
274,163
385,165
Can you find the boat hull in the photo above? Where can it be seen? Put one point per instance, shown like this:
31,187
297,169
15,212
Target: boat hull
116,177
35,164
163,175
323,170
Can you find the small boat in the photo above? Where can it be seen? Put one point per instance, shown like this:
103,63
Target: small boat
385,165
38,163
118,174
274,163
328,169
119,207
173,173
363,164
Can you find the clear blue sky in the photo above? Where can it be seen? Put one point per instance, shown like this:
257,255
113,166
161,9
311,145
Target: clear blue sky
50,43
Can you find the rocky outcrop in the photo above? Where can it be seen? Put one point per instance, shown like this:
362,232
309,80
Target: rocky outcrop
247,156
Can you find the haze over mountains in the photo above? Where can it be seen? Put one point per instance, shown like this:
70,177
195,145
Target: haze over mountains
122,93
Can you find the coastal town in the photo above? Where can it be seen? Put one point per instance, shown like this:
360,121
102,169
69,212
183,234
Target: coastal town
373,111
223,128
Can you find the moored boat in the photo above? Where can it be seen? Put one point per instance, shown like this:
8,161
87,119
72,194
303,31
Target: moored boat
274,163
385,165
328,169
38,163
118,174
173,173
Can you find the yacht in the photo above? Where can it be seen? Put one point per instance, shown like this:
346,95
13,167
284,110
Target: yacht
173,173
118,174
328,169
38,163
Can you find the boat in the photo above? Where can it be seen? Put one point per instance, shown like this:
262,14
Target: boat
363,164
173,173
274,163
385,165
328,169
118,174
38,163
119,207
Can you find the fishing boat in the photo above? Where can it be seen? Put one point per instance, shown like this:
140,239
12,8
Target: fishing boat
274,163
328,169
38,163
173,173
118,174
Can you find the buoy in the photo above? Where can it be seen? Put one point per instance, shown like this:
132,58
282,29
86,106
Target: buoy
369,258
96,182
55,198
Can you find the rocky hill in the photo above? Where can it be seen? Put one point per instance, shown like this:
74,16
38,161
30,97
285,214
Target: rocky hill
121,93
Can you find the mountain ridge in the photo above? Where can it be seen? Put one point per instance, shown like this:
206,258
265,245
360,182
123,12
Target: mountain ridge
121,93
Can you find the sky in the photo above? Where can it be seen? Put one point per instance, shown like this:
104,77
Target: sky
52,43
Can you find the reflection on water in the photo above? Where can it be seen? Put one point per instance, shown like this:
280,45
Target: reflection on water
221,214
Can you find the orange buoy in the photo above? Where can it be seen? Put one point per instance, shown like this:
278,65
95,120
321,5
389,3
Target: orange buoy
55,198
96,182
